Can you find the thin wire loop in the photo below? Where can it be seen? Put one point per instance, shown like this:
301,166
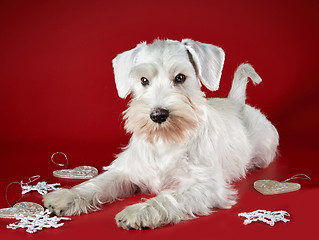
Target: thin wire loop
31,179
60,164
298,176
6,194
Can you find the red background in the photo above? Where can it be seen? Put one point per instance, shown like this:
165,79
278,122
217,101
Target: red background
57,93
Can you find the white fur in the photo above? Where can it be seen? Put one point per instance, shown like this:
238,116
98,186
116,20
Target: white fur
191,159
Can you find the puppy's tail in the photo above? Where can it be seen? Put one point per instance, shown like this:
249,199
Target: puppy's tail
238,90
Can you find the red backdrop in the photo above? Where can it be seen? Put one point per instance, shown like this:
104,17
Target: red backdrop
57,90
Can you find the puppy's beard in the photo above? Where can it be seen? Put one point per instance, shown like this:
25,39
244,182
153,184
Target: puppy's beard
184,118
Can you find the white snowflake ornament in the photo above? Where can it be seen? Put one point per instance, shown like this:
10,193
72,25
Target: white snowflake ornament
265,216
42,187
37,222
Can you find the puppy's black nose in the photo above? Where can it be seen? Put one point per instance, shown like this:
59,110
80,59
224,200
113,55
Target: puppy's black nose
159,115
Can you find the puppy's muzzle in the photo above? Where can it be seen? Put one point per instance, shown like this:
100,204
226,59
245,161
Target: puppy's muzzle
159,115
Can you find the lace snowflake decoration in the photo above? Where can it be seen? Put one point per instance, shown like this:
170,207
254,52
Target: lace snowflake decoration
42,187
37,222
265,216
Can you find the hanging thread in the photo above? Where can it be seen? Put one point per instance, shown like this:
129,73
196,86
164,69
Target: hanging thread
66,165
6,194
31,179
298,176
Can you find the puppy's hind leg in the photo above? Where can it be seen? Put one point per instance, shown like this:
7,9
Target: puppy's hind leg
263,136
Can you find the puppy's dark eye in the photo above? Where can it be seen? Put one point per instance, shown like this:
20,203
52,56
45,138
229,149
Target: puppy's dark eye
180,78
144,81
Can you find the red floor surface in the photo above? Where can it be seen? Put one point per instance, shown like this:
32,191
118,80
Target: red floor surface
57,93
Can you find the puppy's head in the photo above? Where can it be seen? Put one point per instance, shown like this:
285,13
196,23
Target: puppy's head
165,79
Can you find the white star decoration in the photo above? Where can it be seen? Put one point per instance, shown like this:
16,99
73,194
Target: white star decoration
265,216
37,222
42,187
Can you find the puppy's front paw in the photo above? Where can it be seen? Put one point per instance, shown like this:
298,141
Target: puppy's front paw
139,216
64,202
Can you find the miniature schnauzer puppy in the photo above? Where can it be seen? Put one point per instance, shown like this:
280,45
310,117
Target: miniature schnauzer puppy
185,148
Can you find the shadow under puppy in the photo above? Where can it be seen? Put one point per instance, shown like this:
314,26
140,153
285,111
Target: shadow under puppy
185,148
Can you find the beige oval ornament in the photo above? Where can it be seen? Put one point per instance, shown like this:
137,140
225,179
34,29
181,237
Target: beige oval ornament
82,172
23,208
271,187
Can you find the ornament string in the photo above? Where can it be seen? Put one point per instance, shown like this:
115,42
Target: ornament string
298,176
31,179
66,165
6,194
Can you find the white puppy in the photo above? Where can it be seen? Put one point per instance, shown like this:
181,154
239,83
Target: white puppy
185,148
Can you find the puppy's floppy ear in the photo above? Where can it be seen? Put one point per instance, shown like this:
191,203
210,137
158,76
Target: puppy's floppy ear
208,60
122,65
